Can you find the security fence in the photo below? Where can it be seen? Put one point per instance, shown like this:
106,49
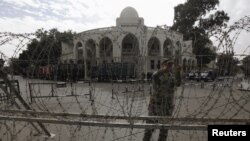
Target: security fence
51,103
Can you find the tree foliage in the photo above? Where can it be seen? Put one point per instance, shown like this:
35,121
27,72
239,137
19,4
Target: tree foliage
195,20
44,49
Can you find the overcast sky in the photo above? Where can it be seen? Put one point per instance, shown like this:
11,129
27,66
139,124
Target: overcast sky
25,16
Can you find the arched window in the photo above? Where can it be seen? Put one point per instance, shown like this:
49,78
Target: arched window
153,46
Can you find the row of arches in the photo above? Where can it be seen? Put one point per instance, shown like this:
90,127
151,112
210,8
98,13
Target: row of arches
168,47
129,51
188,65
130,48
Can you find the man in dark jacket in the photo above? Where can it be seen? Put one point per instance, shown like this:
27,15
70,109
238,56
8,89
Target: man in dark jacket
162,100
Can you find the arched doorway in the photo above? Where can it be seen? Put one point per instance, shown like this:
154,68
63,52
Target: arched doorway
79,49
130,49
153,47
153,53
90,48
168,48
106,50
130,56
78,68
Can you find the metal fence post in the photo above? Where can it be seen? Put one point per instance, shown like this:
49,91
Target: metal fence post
52,89
31,96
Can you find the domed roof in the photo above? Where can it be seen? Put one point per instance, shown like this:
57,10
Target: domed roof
129,12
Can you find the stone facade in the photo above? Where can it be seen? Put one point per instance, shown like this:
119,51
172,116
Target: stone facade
130,41
188,58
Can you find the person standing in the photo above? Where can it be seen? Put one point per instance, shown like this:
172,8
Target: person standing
162,100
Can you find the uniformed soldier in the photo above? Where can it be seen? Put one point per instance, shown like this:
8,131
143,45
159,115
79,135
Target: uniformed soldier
162,100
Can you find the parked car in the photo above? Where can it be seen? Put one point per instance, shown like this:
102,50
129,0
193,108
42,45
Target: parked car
190,76
208,76
193,76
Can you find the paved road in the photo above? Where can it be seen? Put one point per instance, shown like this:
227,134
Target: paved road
212,101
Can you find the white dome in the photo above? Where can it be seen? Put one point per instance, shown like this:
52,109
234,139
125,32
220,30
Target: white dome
129,12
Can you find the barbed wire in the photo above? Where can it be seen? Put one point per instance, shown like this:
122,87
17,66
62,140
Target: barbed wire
115,110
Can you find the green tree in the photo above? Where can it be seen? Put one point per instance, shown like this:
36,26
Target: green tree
44,49
195,21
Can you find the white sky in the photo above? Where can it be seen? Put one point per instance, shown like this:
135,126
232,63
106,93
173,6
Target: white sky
25,16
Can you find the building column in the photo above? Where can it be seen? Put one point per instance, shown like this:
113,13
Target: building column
97,53
85,63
